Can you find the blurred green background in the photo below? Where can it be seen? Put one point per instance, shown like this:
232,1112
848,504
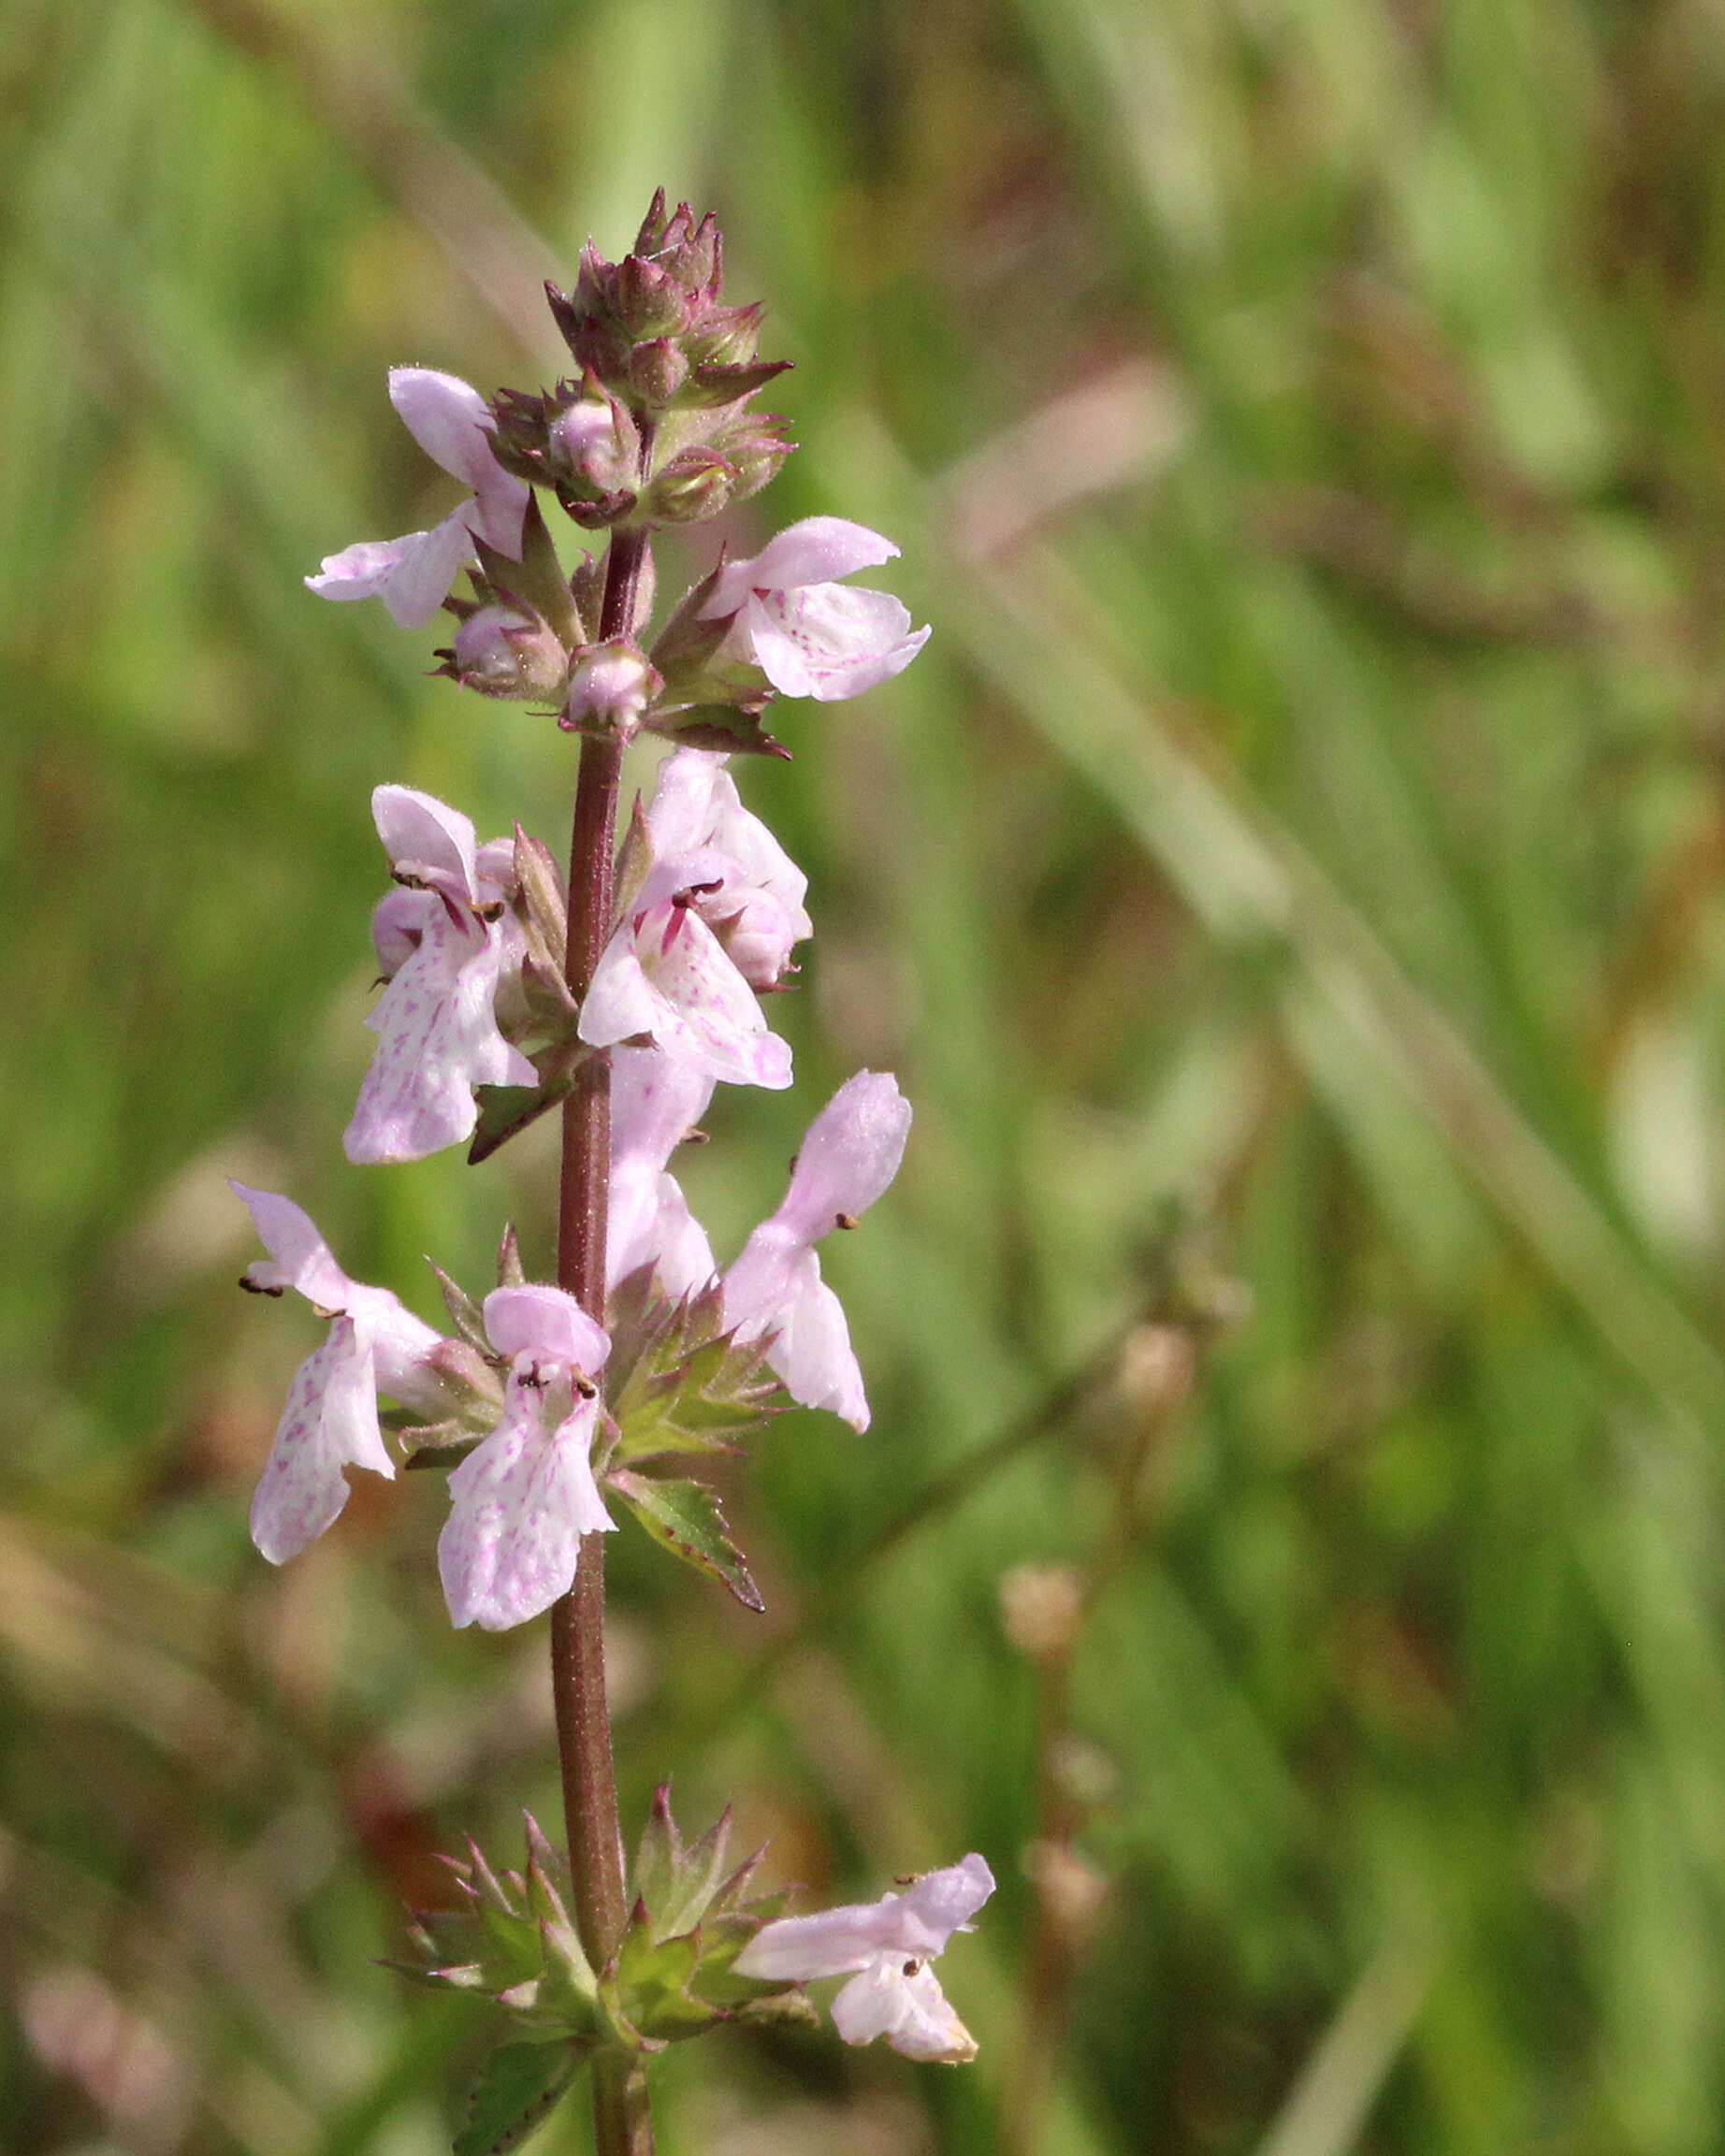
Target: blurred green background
1289,886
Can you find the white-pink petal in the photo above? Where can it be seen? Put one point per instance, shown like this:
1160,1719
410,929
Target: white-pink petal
397,921
813,1353
849,1157
671,1238
885,1947
814,551
303,1259
941,1902
538,1320
330,1419
655,1103
696,807
851,1154
827,640
519,1505
411,575
445,416
438,1038
665,975
424,836
302,1488
449,420
903,2003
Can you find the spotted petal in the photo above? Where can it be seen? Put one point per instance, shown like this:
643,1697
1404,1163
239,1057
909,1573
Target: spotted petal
329,1422
904,2003
438,1038
519,1506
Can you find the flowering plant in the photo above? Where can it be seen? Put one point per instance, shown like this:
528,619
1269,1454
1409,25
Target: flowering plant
619,996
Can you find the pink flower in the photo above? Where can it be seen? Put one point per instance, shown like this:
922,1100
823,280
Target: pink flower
521,1501
655,1103
756,910
445,941
330,1420
665,976
611,687
849,1156
451,423
807,635
885,1948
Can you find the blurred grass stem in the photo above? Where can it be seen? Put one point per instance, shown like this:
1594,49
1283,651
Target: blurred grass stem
622,2123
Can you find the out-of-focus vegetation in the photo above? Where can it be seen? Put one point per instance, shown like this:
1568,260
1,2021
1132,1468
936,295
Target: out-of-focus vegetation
1290,1544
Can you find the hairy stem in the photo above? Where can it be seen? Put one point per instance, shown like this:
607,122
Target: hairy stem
622,2123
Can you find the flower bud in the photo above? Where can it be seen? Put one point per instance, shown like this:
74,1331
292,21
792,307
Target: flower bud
611,688
503,651
755,452
592,448
695,483
658,369
691,255
727,336
648,299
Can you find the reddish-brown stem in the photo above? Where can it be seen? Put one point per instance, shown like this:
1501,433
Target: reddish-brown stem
623,2126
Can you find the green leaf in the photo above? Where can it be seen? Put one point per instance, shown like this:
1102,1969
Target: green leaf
722,726
506,1110
686,1519
516,2090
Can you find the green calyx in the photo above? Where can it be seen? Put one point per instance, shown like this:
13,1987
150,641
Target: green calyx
690,1919
671,1975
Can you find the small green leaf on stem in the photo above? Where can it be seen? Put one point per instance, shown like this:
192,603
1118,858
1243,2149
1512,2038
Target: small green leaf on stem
505,1110
517,2089
685,1518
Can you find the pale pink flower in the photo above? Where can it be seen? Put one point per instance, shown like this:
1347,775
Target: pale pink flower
810,635
444,942
611,687
665,976
374,1346
521,1501
849,1156
411,575
756,909
655,1103
885,1948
